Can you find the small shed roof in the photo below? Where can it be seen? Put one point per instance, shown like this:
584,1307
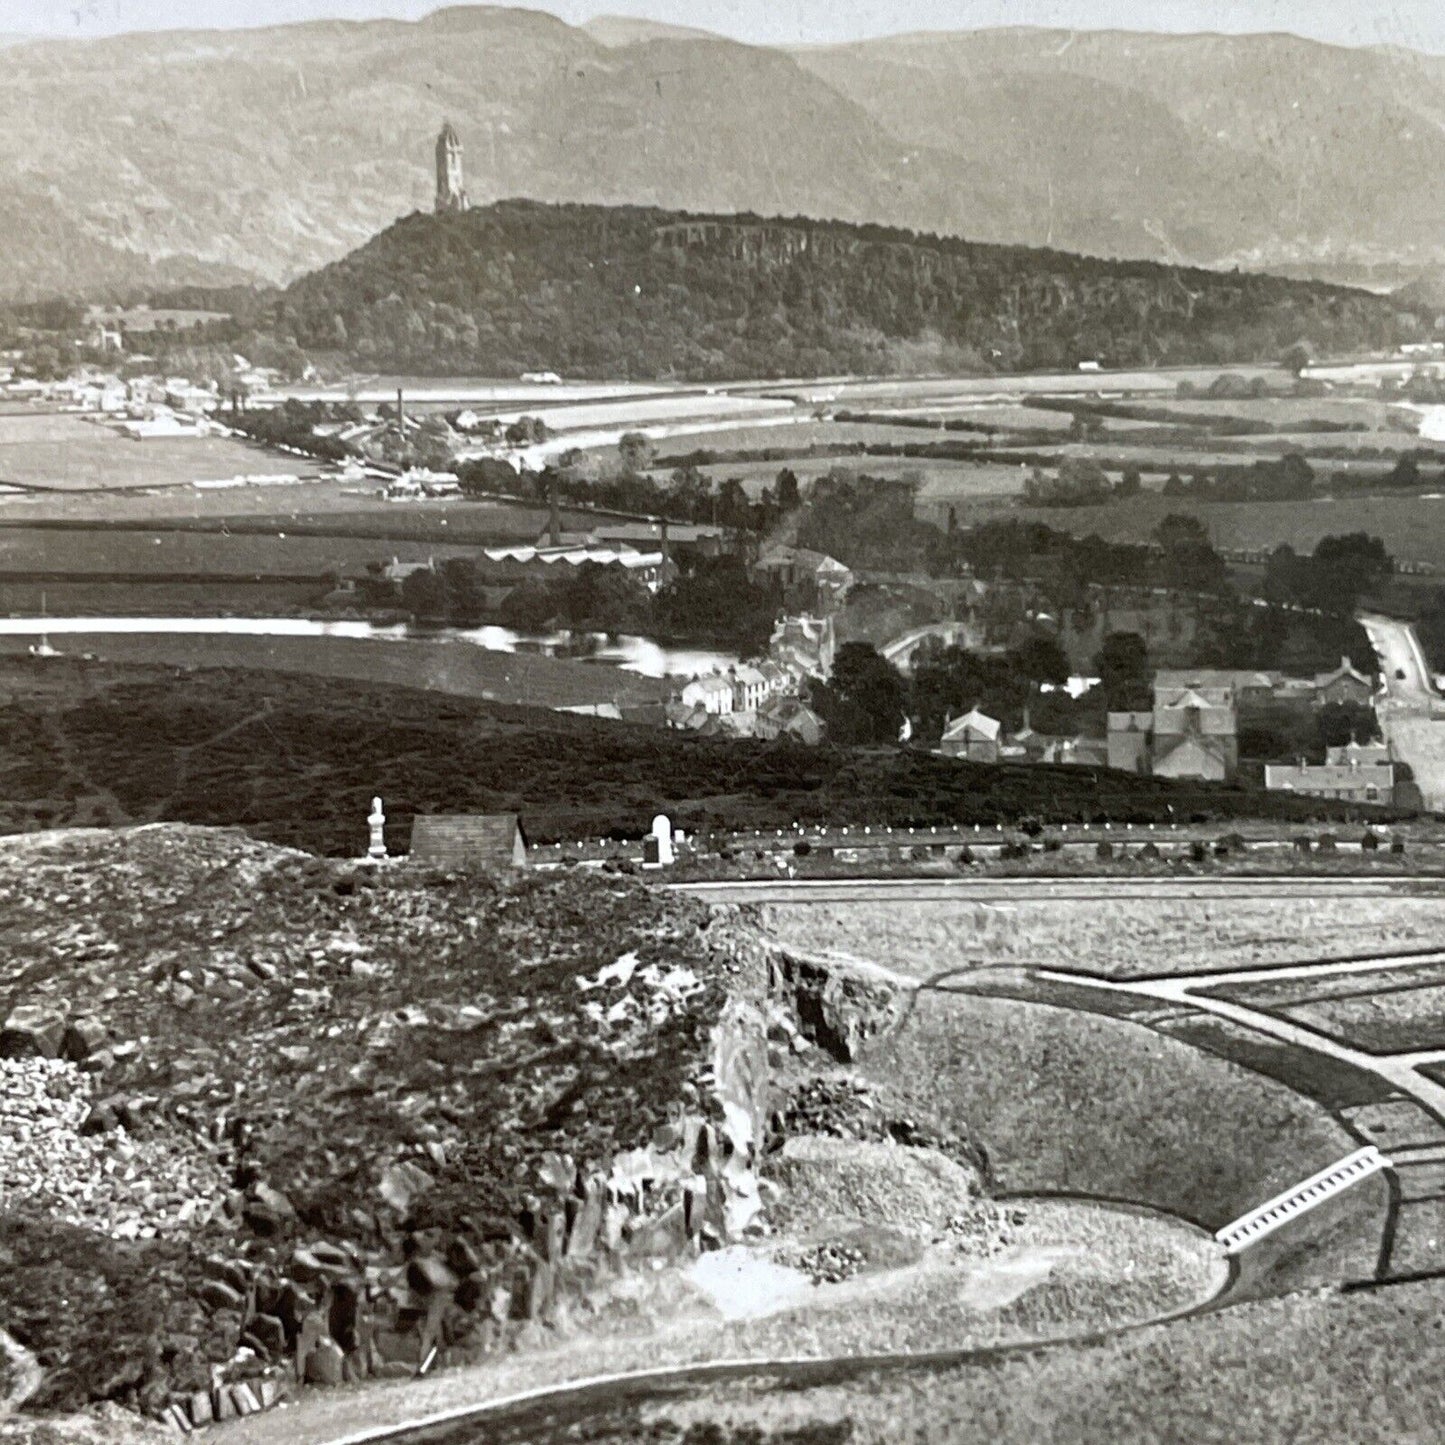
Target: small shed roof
463,841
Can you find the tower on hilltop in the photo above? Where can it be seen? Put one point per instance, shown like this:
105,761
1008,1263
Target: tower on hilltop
451,195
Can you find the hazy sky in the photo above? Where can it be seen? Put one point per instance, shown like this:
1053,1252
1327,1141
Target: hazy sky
1416,23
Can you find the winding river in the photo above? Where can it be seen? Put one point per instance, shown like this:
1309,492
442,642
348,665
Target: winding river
631,653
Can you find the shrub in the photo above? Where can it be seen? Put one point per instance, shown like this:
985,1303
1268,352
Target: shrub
1052,845
1397,845
1302,845
802,848
1012,850
1369,843
1232,843
1149,850
1103,849
1198,852
965,856
1327,843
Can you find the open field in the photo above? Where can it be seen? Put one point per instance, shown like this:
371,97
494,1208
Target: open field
189,504
1403,1020
1287,993
805,432
924,390
650,411
64,451
188,553
1116,938
1284,410
230,597
482,393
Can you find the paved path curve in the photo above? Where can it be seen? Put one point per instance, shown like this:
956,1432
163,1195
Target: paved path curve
1400,1071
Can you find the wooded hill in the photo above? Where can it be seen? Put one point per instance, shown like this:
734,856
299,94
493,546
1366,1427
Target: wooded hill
640,292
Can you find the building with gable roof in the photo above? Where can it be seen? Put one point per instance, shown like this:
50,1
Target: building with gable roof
1192,731
975,736
463,842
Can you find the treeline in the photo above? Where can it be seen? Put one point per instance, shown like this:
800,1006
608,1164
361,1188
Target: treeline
632,291
708,599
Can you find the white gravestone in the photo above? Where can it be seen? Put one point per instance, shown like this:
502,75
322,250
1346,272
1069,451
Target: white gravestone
377,823
662,831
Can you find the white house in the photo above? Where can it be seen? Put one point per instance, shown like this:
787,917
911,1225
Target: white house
750,688
713,693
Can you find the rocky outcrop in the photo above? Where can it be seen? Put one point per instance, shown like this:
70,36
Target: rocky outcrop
834,1006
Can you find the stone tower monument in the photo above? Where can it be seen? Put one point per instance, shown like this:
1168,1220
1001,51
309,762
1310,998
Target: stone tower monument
451,196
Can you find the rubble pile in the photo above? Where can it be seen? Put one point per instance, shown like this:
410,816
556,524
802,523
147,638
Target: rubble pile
123,1187
844,1106
986,1229
313,1120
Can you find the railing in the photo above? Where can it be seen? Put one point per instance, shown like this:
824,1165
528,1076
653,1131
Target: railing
1250,1228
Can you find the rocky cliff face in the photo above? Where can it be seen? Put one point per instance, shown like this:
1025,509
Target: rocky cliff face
315,1121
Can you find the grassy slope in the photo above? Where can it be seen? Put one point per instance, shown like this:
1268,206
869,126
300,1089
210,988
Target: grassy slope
1079,1103
297,760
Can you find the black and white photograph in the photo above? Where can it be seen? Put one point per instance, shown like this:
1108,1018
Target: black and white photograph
722,722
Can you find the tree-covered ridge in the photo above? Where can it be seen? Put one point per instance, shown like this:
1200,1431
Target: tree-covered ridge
634,291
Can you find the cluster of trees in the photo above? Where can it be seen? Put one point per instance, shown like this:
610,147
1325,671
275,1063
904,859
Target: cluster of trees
1080,482
1332,578
867,699
1270,479
294,423
685,496
631,291
710,599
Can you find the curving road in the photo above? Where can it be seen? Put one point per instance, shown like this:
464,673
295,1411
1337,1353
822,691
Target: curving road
1407,675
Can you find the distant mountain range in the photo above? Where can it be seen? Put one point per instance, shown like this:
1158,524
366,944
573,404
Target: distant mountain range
628,291
267,152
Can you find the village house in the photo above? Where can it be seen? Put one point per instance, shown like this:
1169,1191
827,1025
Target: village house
673,539
510,566
804,646
1257,692
792,718
805,578
1351,782
750,688
713,694
1343,684
1191,732
396,571
1353,752
975,737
